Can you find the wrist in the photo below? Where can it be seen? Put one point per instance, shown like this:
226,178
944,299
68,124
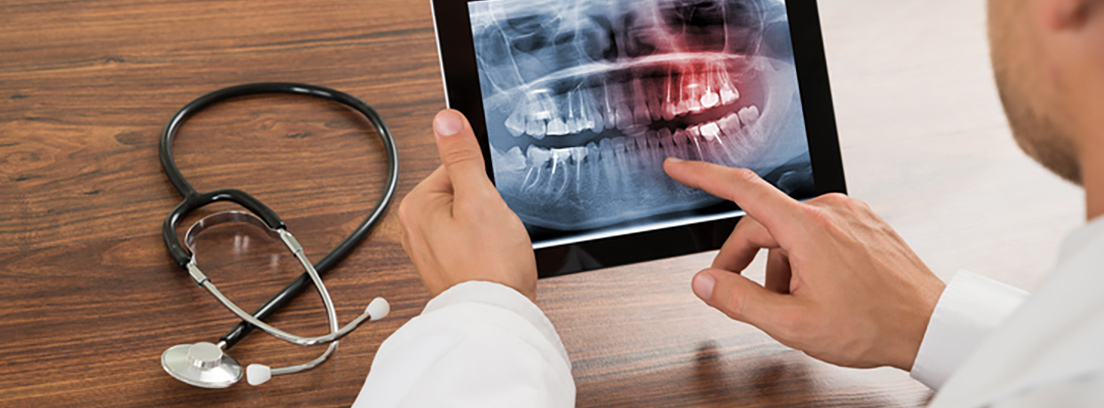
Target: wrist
916,325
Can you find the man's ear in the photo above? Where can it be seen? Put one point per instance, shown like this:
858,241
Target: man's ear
1061,15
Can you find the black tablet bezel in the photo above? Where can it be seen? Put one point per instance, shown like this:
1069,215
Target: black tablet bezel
460,73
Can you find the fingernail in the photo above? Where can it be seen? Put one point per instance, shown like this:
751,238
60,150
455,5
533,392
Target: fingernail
448,123
674,160
703,285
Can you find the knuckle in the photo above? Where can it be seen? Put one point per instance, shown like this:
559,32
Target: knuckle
485,196
836,199
789,326
406,213
461,155
745,175
733,306
863,205
819,216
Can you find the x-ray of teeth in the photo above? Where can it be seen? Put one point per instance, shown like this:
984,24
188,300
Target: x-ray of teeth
585,99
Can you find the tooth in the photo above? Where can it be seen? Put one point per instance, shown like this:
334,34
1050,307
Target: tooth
693,91
755,134
725,155
732,137
581,113
575,112
515,123
557,127
710,100
624,116
653,149
684,139
592,118
555,160
705,144
693,132
653,95
559,164
670,101
568,115
622,148
710,131
670,111
682,108
610,112
635,132
730,125
611,166
640,104
576,125
513,160
694,105
655,109
536,128
538,157
669,148
729,94
644,151
640,113
578,154
593,174
593,154
749,114
633,158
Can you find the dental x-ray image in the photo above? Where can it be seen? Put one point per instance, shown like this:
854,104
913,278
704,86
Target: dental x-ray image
585,99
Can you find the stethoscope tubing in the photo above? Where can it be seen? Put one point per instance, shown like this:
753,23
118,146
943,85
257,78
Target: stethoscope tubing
193,199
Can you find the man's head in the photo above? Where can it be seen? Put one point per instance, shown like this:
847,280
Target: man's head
1048,57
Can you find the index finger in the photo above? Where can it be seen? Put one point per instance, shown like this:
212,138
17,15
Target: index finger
770,206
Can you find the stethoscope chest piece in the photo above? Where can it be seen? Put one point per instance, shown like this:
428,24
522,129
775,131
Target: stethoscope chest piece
202,365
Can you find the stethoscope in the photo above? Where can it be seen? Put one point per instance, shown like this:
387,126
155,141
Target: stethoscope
207,364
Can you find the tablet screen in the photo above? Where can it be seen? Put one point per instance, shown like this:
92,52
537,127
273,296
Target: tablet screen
585,99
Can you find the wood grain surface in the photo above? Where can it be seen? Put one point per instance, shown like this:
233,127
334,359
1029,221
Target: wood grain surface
89,297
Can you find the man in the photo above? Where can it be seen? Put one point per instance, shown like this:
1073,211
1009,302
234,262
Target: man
840,284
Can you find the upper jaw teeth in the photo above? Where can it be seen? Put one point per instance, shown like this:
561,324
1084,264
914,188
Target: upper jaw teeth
636,103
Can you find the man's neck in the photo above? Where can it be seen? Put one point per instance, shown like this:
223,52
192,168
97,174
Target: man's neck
1092,177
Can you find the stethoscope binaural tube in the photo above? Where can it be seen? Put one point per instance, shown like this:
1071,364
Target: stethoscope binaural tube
297,250
189,360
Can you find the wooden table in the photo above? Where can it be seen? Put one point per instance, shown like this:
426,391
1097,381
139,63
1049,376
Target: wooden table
89,299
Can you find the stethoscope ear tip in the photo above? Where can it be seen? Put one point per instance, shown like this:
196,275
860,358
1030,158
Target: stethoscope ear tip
257,374
378,308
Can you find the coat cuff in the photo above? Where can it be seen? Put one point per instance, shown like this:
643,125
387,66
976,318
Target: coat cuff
970,308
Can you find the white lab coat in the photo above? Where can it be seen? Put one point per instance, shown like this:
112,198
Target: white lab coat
480,344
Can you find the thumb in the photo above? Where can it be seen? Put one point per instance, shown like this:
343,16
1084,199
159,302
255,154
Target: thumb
460,153
740,298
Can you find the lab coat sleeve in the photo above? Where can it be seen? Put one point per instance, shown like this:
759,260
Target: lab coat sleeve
971,307
478,344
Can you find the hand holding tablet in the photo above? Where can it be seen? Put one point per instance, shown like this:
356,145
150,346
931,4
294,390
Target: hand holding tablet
455,226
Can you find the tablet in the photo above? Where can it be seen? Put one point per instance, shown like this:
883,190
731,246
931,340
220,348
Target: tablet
577,103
